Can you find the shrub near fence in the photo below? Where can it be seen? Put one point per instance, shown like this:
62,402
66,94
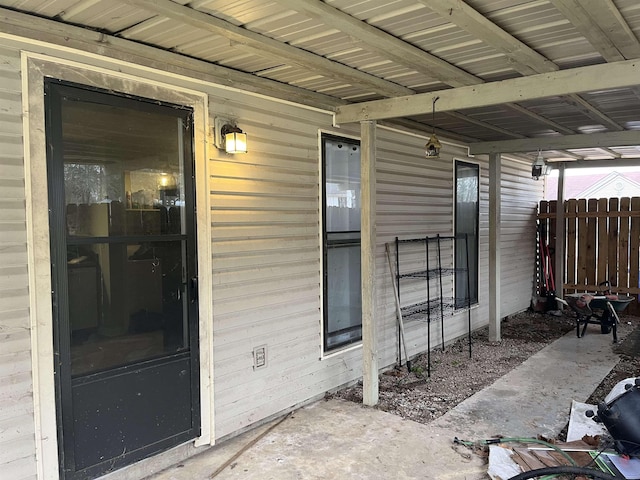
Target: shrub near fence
602,242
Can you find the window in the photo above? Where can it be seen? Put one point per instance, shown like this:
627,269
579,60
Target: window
341,242
466,231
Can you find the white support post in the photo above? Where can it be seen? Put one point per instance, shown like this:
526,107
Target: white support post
368,263
495,180
560,235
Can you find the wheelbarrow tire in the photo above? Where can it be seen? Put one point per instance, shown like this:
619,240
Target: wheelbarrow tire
605,328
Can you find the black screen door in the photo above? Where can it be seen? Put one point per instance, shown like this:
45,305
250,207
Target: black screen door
123,260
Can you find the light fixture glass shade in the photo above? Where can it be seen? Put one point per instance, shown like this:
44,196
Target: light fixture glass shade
236,142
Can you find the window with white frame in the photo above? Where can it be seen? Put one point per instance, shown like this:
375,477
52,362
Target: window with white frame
467,193
342,323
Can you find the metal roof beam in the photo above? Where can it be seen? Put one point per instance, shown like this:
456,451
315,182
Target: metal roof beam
591,140
564,82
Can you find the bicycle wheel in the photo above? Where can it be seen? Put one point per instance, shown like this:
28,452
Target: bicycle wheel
565,472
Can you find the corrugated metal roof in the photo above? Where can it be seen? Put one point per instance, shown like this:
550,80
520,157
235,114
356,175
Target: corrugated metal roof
540,25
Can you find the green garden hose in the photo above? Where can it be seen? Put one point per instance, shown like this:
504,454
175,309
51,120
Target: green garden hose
493,441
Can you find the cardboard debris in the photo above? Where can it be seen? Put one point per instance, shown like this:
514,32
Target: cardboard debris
508,460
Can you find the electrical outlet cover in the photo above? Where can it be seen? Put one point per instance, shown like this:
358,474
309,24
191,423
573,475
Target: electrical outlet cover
260,357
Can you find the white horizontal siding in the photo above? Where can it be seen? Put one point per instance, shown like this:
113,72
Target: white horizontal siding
415,200
520,197
17,440
20,469
266,264
266,259
428,210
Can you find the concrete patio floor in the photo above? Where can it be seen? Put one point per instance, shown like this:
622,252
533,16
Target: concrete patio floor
336,439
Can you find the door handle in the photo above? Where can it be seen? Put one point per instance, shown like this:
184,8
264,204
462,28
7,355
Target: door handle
194,289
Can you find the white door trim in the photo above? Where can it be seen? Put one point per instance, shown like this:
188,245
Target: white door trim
35,67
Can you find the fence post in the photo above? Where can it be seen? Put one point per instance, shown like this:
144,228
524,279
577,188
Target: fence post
572,218
560,259
634,251
613,241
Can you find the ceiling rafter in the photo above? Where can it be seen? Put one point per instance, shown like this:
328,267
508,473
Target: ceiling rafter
543,120
82,39
99,43
592,112
381,42
611,22
594,77
376,40
557,142
605,15
264,45
502,130
524,59
603,26
572,155
427,130
611,152
581,19
480,123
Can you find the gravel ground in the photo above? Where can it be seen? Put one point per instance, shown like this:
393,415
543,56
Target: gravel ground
454,376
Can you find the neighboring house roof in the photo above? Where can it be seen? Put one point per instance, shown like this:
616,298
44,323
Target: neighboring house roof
613,185
597,185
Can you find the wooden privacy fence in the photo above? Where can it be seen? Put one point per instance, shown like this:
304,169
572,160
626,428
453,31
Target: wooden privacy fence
602,243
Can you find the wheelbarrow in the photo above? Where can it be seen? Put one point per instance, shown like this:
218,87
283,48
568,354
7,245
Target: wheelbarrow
597,310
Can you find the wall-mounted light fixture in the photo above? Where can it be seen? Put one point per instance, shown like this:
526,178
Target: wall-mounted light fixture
229,137
539,167
433,146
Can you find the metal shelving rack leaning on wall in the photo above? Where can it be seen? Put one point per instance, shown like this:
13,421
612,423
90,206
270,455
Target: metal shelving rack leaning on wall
423,261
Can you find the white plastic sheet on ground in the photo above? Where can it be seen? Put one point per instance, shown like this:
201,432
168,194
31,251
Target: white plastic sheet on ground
581,425
501,466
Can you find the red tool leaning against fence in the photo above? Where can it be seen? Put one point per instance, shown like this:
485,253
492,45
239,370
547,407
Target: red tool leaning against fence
546,271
